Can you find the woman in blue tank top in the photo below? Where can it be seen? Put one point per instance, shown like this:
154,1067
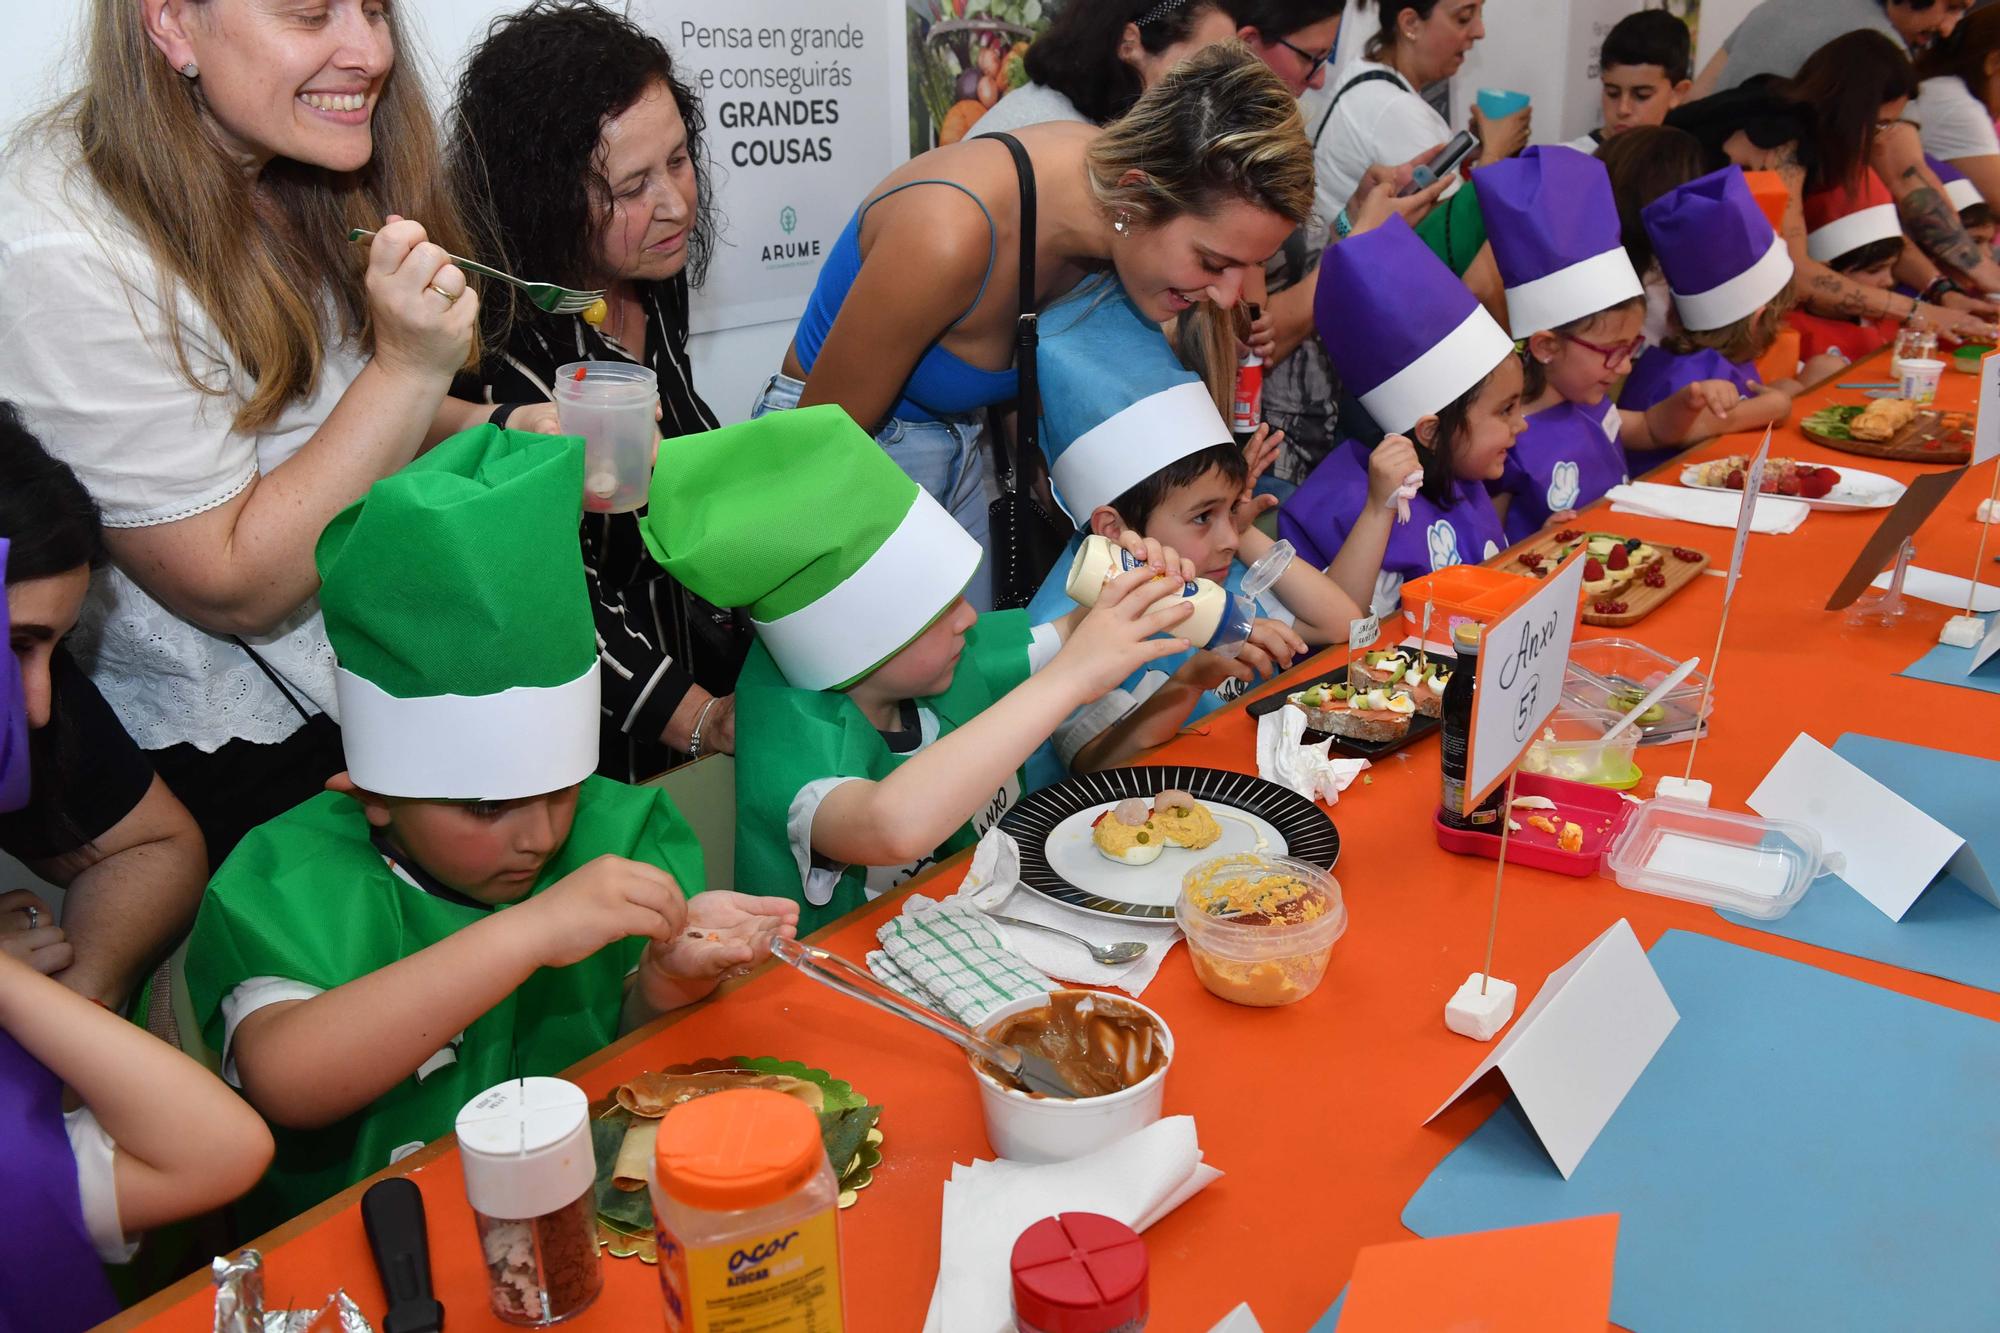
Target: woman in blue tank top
911,326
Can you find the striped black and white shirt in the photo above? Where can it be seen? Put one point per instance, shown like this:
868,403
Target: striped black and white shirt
655,639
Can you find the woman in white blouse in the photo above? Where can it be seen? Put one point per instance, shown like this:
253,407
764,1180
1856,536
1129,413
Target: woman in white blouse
1958,99
184,322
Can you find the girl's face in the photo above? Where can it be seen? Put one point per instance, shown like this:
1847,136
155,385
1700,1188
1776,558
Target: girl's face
1582,367
1433,48
1299,58
1480,451
41,611
296,79
1195,256
643,153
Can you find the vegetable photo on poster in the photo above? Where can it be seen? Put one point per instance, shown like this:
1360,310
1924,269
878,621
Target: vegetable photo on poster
965,55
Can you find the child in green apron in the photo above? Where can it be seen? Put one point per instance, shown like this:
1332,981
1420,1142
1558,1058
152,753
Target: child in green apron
468,903
880,723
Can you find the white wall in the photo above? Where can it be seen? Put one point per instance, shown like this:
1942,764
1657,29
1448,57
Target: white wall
35,66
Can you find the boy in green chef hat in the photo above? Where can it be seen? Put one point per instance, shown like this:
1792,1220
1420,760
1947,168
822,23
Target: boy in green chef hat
880,722
467,903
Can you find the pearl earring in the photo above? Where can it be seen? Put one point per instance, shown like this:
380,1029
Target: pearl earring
190,70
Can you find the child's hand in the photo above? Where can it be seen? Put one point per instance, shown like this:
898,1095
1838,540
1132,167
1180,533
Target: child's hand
1391,464
1719,397
1164,561
606,900
1263,335
724,930
1561,518
1116,637
1259,452
1821,366
1271,647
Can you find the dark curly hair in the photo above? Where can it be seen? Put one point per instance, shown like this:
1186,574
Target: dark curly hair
46,515
524,134
1078,53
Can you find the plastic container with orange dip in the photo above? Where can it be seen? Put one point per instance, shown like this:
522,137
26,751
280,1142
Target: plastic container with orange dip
747,1213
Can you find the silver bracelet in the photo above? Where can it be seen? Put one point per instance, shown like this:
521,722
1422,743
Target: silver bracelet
694,736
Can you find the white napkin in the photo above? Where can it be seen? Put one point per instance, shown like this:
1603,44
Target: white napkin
987,1205
950,958
993,884
1239,1320
1944,589
1309,770
1775,513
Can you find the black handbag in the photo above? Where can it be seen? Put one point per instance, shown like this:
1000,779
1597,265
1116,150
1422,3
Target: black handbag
1027,540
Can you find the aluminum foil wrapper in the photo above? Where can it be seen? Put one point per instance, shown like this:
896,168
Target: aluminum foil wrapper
239,1304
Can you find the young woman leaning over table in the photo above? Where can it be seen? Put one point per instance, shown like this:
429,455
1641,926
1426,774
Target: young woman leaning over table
911,327
184,321
604,187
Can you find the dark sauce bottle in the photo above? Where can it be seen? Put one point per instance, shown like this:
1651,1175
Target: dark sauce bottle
1456,739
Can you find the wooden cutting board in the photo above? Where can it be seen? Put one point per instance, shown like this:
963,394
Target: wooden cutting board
1934,437
1639,599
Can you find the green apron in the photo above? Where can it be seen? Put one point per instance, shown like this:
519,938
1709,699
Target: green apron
307,897
787,738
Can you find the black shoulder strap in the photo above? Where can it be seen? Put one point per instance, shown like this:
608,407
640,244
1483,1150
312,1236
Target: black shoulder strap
1026,336
1366,76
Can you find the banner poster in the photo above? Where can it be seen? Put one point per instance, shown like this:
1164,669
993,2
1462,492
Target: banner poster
805,114
965,55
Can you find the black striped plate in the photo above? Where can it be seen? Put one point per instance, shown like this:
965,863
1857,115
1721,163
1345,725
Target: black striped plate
1306,830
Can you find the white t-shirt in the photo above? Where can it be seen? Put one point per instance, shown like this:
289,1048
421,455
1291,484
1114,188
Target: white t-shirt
86,353
1381,121
97,1184
1030,104
1953,122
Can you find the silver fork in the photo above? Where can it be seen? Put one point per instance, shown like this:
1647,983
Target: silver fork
545,295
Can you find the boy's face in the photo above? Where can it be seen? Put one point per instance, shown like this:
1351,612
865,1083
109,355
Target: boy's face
1636,95
1876,275
927,663
1983,232
490,851
1193,519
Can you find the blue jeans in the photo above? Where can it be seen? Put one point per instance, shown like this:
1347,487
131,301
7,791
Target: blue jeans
943,457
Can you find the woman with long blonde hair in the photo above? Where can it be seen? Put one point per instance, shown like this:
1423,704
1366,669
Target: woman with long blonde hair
184,322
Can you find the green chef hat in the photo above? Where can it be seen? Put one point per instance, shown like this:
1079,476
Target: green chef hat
802,518
455,600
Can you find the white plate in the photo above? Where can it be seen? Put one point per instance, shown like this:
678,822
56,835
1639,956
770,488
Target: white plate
1073,854
1856,489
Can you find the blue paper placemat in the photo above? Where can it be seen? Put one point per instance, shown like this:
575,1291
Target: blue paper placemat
1805,1152
1946,665
1951,931
1330,1321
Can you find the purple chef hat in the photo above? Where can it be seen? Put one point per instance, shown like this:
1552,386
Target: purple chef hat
1553,222
1405,335
1721,257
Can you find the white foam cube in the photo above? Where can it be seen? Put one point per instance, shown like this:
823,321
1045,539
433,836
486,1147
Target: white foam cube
1471,1014
1692,790
1963,632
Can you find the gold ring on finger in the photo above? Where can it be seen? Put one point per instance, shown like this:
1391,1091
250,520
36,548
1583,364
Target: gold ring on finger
450,298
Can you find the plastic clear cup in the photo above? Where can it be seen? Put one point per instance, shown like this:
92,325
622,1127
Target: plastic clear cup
612,407
1920,379
1499,103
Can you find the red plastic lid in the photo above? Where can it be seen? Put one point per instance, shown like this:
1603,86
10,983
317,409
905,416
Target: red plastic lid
1079,1273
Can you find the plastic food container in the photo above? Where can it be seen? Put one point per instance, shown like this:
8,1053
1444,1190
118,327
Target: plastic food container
1463,592
1611,674
1600,812
1741,863
1025,1128
530,1177
1262,959
1572,747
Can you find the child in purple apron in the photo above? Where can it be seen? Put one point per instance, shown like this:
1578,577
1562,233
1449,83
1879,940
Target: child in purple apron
1431,367
1731,278
192,1144
1576,304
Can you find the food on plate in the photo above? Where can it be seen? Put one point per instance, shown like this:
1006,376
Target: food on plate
1099,1043
1384,667
1260,930
1378,714
1882,419
1629,698
1134,834
1184,821
1425,680
1782,476
652,1094
1571,837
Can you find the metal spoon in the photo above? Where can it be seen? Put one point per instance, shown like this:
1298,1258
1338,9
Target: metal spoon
1123,952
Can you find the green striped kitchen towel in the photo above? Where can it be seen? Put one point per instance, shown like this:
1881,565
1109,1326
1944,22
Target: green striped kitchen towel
951,958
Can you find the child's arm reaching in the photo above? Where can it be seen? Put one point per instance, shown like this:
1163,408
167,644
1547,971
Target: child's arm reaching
309,1063
1321,608
1271,648
185,1143
1693,414
1359,563
918,806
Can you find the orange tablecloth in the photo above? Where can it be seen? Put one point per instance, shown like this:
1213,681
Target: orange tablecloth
1313,1112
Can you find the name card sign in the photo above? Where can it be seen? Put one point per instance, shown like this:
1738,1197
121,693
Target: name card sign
1986,426
1522,657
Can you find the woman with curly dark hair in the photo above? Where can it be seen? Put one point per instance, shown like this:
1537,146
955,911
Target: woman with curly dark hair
580,145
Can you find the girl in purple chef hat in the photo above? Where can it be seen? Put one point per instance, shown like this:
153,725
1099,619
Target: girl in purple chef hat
1433,369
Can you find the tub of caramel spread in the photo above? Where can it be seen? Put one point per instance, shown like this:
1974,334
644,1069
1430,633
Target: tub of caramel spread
1100,1044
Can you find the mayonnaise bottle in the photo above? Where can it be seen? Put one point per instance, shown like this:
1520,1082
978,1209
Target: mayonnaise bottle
1221,619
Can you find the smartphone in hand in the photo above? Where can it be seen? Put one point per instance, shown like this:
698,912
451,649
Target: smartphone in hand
1443,163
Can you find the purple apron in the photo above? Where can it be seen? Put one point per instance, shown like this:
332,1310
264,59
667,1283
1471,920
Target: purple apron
1317,518
50,1277
1661,374
1568,457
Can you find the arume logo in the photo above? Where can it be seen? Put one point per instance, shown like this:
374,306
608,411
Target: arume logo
788,219
790,253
